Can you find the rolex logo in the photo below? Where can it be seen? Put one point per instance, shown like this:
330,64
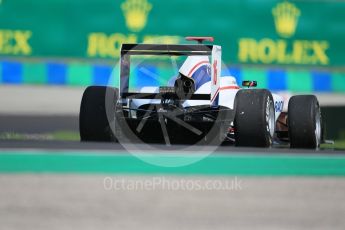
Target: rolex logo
136,12
286,17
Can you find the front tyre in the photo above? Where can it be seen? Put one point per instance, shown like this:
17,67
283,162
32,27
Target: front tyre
254,118
97,114
304,121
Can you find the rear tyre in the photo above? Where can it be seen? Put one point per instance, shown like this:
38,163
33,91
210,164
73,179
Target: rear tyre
304,120
254,118
97,114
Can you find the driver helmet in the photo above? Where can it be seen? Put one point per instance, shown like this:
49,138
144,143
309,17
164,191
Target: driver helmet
198,68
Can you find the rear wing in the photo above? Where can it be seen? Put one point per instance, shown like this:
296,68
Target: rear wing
171,50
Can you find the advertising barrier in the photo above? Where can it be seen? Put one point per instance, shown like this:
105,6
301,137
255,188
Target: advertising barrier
293,42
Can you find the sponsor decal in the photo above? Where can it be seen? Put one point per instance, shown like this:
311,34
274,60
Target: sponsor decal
286,17
215,72
278,106
136,14
285,50
15,42
108,45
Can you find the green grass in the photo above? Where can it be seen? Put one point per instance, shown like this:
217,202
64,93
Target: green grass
74,136
338,144
56,136
66,136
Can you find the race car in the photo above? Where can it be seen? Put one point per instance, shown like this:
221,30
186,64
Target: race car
196,105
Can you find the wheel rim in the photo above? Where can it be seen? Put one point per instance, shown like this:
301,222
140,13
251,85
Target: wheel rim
318,127
270,121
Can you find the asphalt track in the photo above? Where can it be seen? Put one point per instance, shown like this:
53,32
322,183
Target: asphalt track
60,185
60,201
45,124
37,124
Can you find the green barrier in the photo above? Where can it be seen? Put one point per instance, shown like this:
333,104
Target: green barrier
272,32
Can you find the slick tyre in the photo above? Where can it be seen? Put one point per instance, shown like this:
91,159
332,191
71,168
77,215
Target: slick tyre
97,114
304,121
254,118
